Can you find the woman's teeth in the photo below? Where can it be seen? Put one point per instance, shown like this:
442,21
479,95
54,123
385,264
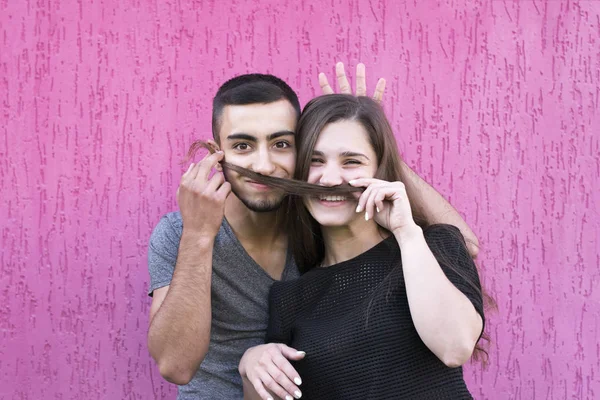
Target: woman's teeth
332,198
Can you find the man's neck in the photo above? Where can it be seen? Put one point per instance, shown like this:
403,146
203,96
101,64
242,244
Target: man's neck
347,242
252,227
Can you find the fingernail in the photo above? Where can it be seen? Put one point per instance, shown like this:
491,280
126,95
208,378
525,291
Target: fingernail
366,216
288,397
301,353
297,394
358,208
269,398
297,380
377,209
351,181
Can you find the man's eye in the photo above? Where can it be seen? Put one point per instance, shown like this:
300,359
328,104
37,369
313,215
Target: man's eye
241,146
316,161
282,145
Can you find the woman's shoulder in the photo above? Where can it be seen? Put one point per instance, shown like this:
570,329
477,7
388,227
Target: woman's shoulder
441,229
444,235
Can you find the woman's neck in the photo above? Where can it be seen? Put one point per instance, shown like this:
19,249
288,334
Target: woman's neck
343,243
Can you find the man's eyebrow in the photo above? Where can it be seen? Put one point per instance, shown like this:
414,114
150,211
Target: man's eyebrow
242,136
250,138
279,134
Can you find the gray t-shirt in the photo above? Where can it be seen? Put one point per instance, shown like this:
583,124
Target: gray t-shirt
240,308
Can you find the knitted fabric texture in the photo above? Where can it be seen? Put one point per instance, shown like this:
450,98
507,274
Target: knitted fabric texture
353,321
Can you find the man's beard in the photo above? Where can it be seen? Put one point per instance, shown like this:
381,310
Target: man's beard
259,206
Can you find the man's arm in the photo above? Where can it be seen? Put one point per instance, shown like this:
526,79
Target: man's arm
180,315
432,206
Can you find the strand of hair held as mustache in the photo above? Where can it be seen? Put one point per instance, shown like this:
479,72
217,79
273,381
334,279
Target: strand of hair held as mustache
288,186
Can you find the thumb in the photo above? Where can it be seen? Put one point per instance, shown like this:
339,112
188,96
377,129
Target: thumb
291,353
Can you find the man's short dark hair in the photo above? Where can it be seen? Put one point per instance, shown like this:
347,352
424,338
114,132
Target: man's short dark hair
250,89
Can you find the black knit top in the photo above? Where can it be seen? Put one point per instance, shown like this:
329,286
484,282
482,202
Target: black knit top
353,321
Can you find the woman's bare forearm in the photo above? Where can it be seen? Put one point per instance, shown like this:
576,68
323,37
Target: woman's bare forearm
444,317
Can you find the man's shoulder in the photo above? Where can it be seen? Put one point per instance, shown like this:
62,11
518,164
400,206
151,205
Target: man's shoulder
172,218
169,225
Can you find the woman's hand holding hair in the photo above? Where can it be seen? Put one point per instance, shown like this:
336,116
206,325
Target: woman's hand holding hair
268,369
387,203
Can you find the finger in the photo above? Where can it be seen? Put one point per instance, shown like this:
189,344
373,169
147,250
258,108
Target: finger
224,190
206,165
324,83
290,372
215,182
393,191
193,171
343,83
186,175
361,80
283,381
260,389
370,204
379,201
379,89
362,201
364,182
291,353
270,384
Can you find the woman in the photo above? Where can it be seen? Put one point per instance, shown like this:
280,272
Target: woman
385,309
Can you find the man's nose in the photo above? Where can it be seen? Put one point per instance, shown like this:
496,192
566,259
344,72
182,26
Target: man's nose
263,163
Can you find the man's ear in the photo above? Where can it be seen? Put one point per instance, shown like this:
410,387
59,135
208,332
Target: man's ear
214,147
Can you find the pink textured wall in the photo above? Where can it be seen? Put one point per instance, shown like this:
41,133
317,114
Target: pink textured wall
494,102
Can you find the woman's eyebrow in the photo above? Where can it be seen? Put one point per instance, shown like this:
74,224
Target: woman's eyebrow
342,154
353,154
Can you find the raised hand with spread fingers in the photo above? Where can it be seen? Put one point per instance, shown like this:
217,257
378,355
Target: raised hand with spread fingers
344,84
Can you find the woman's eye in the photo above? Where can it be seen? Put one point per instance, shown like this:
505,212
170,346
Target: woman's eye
355,162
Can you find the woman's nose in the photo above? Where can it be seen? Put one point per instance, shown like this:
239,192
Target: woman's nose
331,177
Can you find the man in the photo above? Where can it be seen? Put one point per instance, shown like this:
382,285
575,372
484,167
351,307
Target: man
213,262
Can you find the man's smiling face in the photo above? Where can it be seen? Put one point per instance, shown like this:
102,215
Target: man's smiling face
259,137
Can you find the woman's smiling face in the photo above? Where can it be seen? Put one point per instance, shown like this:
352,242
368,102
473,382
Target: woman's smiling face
342,153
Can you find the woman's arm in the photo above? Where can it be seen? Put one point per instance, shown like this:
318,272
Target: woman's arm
444,317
